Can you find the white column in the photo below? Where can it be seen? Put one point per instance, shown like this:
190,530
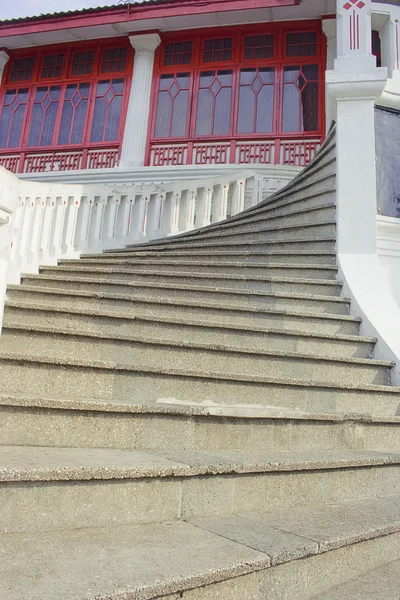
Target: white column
353,86
390,43
137,118
3,61
329,29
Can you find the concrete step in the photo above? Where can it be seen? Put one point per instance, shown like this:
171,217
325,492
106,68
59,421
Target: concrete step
229,557
124,283
292,214
48,375
150,267
380,583
95,423
183,313
304,231
174,330
192,355
323,243
47,489
245,256
147,295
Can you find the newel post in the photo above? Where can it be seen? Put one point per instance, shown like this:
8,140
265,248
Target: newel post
137,118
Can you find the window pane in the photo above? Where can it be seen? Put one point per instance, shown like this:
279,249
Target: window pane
214,103
82,63
259,46
44,116
74,113
52,66
178,53
172,105
114,60
107,111
301,44
300,99
256,100
217,50
12,117
22,69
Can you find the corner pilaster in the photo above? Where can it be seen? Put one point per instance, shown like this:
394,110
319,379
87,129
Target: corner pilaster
3,61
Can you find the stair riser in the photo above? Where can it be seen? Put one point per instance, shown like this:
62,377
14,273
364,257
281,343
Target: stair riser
176,332
307,577
189,359
219,316
305,201
133,284
69,505
310,246
142,304
263,258
172,268
89,429
305,234
268,221
64,381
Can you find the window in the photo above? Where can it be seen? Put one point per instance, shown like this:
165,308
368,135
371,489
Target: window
217,50
261,84
75,97
52,66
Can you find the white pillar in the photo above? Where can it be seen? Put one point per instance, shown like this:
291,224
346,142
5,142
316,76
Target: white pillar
3,61
390,43
353,86
137,118
329,29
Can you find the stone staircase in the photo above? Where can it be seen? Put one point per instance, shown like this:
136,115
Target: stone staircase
199,418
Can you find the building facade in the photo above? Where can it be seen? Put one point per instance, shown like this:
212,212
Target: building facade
167,84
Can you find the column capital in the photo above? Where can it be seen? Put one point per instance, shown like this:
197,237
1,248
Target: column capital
145,42
3,59
329,28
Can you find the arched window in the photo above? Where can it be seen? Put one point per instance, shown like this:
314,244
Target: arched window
240,95
63,107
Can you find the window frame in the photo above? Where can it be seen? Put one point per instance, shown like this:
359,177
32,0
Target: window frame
238,62
66,78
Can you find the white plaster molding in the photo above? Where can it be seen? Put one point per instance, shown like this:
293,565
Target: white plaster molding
3,61
137,118
388,237
329,29
390,46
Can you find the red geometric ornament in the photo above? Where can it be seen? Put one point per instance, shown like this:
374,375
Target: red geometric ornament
354,3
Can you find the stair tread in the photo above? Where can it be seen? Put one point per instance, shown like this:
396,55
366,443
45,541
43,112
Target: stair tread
145,561
382,583
82,266
34,463
69,332
165,286
188,274
176,407
188,323
195,373
123,315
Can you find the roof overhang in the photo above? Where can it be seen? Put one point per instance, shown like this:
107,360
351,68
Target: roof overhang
154,15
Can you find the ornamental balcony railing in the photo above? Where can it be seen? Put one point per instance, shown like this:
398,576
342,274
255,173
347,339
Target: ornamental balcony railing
277,151
63,159
41,223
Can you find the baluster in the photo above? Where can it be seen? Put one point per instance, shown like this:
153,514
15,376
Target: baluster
44,248
83,225
14,269
220,204
237,205
26,234
74,203
36,234
110,221
203,206
155,215
124,219
57,237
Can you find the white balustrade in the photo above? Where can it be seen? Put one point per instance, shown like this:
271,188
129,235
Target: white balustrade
47,222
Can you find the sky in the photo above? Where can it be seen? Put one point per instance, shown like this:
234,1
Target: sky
12,9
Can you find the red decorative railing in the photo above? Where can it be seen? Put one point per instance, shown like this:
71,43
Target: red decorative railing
296,152
36,161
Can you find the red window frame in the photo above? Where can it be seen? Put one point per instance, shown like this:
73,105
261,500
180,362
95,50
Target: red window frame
65,79
238,62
